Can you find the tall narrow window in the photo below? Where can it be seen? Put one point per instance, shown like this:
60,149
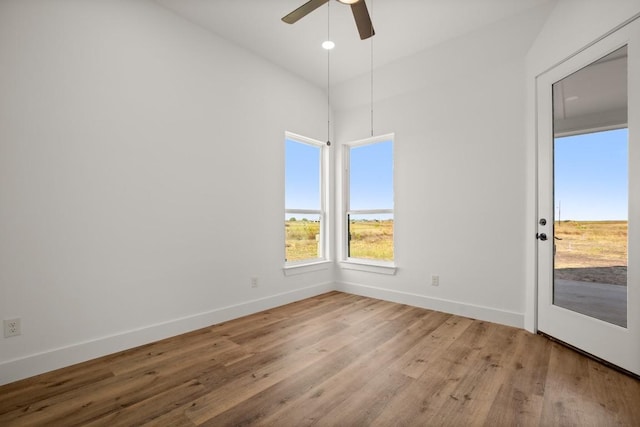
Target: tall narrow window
304,220
369,200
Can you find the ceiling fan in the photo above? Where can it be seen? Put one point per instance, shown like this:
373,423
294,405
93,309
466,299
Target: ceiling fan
358,7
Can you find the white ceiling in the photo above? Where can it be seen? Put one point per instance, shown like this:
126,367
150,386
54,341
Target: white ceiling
403,28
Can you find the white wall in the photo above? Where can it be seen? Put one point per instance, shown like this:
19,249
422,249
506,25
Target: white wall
457,111
141,179
572,26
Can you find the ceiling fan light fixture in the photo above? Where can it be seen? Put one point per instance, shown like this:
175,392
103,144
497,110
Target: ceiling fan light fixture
328,45
348,1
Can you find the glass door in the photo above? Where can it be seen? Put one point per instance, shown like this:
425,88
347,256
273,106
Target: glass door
588,258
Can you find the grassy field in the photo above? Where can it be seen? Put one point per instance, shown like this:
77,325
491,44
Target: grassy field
372,240
591,243
301,239
369,240
592,251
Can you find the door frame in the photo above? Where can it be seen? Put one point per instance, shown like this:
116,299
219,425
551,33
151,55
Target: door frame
543,126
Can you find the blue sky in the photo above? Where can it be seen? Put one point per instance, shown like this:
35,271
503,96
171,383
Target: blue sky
591,176
302,166
371,181
371,176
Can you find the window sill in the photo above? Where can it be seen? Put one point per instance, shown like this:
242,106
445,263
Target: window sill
371,267
292,270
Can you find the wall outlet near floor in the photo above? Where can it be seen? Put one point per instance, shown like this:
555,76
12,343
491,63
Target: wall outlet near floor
11,328
254,281
435,280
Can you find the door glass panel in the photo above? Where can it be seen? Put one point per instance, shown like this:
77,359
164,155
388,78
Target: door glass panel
590,158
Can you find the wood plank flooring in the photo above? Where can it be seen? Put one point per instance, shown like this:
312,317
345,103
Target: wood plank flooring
333,360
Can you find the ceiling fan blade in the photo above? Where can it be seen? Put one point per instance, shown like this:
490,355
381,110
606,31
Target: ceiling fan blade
303,11
363,20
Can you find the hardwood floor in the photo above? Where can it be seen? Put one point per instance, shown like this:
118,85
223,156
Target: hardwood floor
336,359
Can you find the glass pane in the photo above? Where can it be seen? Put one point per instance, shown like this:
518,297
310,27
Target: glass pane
591,191
371,176
302,175
302,237
371,237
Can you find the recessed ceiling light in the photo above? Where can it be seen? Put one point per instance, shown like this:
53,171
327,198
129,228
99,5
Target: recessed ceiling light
328,44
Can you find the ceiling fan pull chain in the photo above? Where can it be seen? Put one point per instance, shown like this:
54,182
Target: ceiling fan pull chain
371,39
328,75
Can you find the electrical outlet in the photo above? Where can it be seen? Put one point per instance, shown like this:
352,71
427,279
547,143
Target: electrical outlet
12,328
254,282
435,280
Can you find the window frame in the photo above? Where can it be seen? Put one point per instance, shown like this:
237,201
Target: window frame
311,264
364,264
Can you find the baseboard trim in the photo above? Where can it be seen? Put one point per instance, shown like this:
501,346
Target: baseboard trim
35,364
473,311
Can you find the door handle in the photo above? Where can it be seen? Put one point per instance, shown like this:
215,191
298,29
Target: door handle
541,236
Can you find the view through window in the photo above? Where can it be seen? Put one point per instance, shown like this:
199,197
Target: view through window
369,200
304,204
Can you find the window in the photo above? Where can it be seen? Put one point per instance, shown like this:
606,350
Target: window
369,200
304,220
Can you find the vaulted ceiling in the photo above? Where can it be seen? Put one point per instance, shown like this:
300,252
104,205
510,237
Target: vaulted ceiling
403,28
